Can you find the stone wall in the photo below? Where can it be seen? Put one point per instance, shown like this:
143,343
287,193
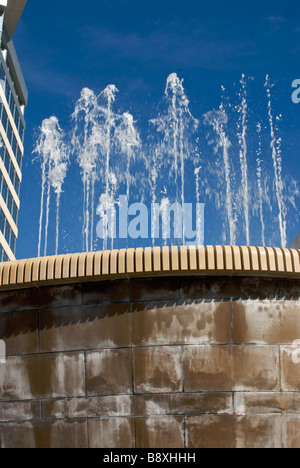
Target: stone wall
182,362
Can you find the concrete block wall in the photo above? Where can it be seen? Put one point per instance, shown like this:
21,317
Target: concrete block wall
162,362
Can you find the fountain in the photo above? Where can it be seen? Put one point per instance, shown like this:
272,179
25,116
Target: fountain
53,155
234,181
175,343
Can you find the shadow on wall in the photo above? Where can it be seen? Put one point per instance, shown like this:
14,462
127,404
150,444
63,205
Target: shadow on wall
153,302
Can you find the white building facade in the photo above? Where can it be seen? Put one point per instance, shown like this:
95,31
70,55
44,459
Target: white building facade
13,100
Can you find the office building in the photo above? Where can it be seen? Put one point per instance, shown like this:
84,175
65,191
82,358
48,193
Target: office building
296,243
13,100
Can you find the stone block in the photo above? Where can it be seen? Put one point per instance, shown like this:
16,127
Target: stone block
44,434
86,327
266,322
20,411
271,402
75,408
231,368
105,292
183,404
289,289
42,376
158,323
220,288
111,433
291,431
109,372
151,289
290,368
231,431
160,432
157,370
40,298
19,330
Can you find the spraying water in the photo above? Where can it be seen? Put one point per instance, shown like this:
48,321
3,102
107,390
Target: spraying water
99,134
175,124
109,95
128,139
107,211
197,176
113,158
242,132
118,137
104,140
277,164
259,169
199,217
85,146
164,208
218,120
153,184
54,164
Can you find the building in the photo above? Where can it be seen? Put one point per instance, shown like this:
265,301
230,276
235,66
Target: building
296,243
13,100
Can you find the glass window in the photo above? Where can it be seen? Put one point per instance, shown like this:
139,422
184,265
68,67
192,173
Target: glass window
19,156
14,144
2,221
10,170
7,161
7,94
14,211
18,186
22,134
7,233
11,100
13,244
4,192
2,82
12,175
9,132
4,156
4,119
2,74
7,195
18,123
12,107
17,119
9,202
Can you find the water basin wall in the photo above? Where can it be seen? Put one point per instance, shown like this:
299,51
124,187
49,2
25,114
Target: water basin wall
152,348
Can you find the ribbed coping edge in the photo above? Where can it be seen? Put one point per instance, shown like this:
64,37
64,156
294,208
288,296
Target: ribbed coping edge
150,262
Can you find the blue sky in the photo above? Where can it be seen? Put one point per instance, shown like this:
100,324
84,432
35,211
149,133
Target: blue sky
136,44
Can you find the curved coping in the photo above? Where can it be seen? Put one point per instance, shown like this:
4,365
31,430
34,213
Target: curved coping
149,262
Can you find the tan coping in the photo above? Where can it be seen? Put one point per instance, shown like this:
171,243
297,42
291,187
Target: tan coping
148,262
